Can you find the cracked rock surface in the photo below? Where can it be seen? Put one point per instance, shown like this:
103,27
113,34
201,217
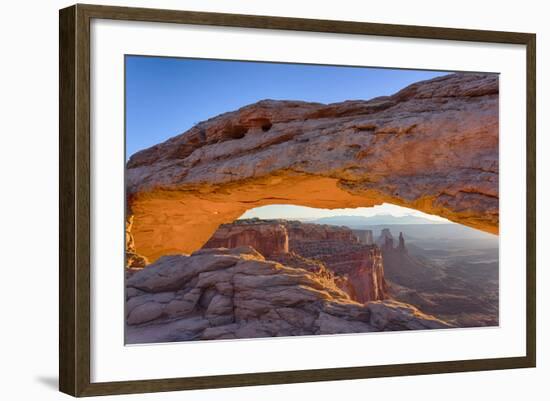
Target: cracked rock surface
236,293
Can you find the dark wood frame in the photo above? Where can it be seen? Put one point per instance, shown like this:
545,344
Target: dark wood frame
74,199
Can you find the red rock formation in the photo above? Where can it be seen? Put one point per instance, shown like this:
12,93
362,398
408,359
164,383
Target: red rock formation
299,231
385,235
320,269
433,146
268,238
332,252
364,271
386,242
360,266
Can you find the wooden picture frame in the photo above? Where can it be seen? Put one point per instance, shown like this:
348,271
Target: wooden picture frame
74,204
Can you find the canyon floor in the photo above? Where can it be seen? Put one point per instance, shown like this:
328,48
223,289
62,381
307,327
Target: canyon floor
449,271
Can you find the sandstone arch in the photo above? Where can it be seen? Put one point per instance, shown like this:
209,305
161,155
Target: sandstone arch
432,146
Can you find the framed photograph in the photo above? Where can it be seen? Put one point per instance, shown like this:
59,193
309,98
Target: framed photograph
250,200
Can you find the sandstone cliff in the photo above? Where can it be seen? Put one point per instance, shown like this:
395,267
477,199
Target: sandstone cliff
432,146
268,238
364,236
236,293
356,268
300,232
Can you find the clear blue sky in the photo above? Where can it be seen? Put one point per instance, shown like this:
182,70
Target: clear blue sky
167,96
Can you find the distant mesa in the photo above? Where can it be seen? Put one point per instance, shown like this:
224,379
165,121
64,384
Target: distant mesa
386,242
267,237
385,219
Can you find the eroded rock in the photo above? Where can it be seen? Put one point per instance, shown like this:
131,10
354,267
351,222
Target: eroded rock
333,253
236,293
432,146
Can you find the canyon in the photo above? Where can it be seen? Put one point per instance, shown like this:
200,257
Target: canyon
445,270
463,294
356,267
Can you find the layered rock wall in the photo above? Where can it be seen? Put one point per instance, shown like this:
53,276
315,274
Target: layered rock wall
328,250
360,265
267,238
364,236
299,232
236,293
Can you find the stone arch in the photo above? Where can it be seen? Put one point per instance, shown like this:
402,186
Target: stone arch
433,147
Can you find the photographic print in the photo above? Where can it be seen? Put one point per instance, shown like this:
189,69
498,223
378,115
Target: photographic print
272,199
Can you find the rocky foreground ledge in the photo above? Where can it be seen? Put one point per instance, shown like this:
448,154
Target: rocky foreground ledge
432,146
236,293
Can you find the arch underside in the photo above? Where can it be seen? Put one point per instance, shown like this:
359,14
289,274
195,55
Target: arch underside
170,222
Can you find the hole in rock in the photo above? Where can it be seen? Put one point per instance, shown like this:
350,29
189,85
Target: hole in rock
235,132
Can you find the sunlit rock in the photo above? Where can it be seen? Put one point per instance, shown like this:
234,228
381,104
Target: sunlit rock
432,146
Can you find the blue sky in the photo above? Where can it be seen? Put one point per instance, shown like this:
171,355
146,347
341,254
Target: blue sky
167,96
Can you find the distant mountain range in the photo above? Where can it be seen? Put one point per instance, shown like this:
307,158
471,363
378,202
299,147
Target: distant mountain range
382,219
